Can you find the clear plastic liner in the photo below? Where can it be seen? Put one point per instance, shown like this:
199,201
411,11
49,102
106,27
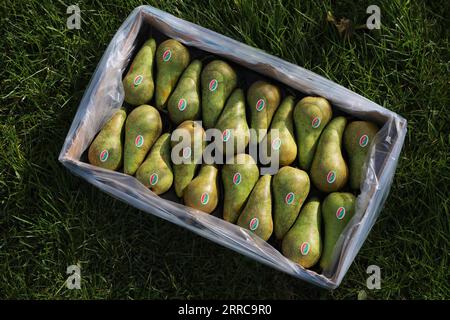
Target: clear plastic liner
104,96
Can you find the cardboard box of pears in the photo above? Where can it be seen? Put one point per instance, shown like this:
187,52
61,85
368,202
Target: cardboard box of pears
301,208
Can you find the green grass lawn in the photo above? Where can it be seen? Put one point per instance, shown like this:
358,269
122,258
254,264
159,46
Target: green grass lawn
51,219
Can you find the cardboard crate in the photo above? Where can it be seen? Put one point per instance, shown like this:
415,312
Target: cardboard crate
104,96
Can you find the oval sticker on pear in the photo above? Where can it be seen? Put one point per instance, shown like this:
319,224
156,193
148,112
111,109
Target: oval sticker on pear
304,248
139,141
254,223
153,179
340,213
260,104
364,141
204,198
104,155
213,85
182,104
138,80
331,176
167,55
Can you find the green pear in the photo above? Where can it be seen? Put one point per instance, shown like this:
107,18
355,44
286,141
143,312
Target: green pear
329,172
257,213
358,136
290,189
138,83
337,210
202,193
188,142
263,99
106,149
142,128
184,103
156,171
171,60
233,124
284,141
302,244
311,115
238,177
218,81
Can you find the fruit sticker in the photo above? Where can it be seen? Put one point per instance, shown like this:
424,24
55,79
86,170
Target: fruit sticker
331,176
260,104
104,155
182,104
237,178
304,248
276,144
363,141
226,134
153,179
139,141
340,213
289,199
186,152
204,198
315,123
213,84
167,55
253,225
138,80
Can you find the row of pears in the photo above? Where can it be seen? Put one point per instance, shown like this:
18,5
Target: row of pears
309,141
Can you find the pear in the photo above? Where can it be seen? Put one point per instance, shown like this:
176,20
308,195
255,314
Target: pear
311,115
263,99
218,81
257,213
188,142
106,149
184,103
282,141
138,83
358,136
238,177
171,60
202,193
142,128
302,244
156,171
233,124
337,210
290,189
329,172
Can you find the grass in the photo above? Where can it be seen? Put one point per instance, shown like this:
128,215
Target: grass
51,219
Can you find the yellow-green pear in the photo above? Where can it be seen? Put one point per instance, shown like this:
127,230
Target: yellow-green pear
202,192
257,213
358,136
156,171
107,148
263,100
171,60
184,103
290,189
311,115
337,210
239,178
138,83
218,81
329,171
188,143
302,244
142,128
